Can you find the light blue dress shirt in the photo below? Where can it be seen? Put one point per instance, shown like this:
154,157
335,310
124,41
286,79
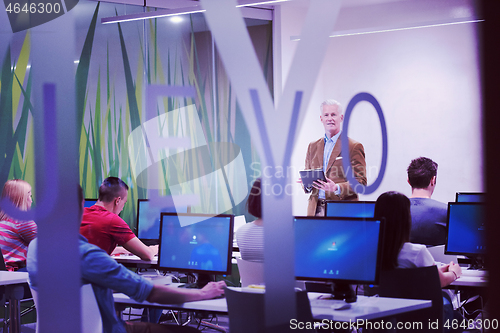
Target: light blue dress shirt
327,152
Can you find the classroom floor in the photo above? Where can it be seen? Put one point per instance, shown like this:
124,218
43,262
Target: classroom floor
221,321
209,321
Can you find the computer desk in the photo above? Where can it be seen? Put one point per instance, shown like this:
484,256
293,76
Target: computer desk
470,281
12,280
134,261
366,308
130,260
472,278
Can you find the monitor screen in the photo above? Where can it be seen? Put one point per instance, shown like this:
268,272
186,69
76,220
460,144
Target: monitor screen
148,219
466,228
198,243
470,197
350,208
89,202
342,250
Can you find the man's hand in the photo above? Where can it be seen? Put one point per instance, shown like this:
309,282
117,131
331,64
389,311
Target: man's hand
328,186
213,289
119,250
171,295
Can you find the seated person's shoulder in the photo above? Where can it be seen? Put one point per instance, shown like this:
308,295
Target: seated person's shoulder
249,227
440,205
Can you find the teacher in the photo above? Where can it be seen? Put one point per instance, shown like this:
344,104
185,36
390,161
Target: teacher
326,154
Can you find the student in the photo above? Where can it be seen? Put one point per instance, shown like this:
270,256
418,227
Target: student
106,275
102,226
397,250
15,235
428,216
250,237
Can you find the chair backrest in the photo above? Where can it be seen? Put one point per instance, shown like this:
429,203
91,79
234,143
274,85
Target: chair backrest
246,310
2,262
2,288
250,272
91,317
415,283
437,253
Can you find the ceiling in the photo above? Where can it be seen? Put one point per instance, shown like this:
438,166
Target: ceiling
359,15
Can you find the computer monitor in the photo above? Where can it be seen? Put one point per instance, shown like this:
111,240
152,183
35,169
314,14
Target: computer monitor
148,219
89,203
470,197
196,243
465,227
342,251
350,208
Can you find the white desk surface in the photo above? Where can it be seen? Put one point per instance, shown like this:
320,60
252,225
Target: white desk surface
365,308
471,281
7,278
133,259
472,278
213,305
368,308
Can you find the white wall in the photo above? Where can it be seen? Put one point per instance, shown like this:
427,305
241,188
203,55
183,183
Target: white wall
427,83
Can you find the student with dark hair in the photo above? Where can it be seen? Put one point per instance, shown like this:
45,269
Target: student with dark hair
398,252
428,215
102,226
250,237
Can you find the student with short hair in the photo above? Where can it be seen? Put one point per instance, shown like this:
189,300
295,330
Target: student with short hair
428,215
102,226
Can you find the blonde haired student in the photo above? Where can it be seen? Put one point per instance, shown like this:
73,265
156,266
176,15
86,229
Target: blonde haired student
15,235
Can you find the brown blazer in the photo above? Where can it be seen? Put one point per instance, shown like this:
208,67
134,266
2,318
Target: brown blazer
335,170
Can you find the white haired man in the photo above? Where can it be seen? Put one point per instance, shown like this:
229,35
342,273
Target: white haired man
325,153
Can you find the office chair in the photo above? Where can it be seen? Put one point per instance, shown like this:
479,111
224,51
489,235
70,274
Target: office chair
2,292
250,272
91,316
415,283
246,310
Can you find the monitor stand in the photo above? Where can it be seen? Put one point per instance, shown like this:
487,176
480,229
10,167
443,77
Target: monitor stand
476,262
204,279
343,291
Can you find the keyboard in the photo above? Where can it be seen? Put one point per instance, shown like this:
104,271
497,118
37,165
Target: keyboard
474,272
327,303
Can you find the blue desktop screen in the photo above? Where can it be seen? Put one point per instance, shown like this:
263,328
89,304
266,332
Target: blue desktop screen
148,218
470,197
350,208
196,243
347,250
466,228
89,202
